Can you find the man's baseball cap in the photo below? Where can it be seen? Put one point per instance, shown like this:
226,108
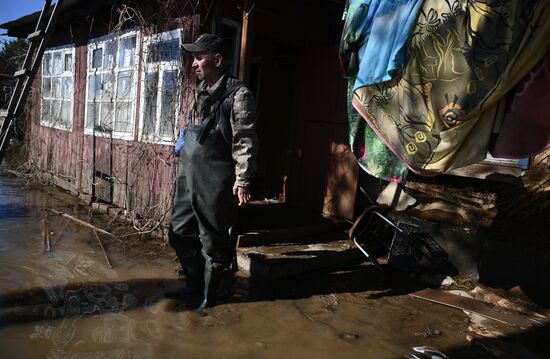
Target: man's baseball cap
205,42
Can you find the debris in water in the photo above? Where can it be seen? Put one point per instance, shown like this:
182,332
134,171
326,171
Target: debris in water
429,332
348,336
85,224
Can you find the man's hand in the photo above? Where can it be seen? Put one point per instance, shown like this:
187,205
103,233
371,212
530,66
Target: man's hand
242,193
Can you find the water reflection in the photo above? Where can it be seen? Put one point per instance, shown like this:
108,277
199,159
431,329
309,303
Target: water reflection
68,304
9,211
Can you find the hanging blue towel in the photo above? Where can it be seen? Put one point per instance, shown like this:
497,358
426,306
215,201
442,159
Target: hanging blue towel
181,142
385,30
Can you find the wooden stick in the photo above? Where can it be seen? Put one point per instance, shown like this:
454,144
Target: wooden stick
103,250
45,235
19,174
81,222
62,230
48,246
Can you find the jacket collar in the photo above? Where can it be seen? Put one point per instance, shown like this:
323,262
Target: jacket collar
215,90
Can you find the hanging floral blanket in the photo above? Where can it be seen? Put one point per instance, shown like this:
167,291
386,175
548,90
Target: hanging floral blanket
462,57
376,32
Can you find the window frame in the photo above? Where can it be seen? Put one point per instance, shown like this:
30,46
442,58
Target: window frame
160,67
64,50
112,69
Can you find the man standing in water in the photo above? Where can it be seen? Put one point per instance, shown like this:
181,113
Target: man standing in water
216,165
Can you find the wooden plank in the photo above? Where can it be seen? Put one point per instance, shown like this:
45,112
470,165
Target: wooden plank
479,307
485,170
341,187
245,53
261,238
468,200
266,264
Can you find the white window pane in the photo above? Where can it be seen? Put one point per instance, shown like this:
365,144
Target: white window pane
67,87
110,53
168,103
122,117
57,63
124,84
106,117
46,104
170,50
152,53
150,106
56,112
94,87
107,85
46,87
47,64
97,58
56,87
92,115
68,63
126,51
66,113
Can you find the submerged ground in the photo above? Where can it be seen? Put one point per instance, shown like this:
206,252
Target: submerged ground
68,303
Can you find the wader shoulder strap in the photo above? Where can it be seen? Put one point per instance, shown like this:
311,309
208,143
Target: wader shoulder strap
210,120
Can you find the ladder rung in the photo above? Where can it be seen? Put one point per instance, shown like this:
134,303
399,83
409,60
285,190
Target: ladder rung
35,34
20,73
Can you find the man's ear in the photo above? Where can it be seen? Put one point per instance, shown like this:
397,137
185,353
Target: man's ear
218,58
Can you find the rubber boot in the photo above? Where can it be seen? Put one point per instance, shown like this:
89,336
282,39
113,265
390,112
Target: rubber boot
212,278
193,269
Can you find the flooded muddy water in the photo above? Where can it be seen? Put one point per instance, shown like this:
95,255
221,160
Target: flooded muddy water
68,303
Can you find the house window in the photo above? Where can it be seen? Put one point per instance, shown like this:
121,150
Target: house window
111,83
160,90
57,88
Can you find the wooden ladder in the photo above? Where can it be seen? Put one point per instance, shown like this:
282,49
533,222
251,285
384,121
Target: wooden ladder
25,76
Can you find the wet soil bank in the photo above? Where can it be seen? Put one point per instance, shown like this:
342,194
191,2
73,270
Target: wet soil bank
68,303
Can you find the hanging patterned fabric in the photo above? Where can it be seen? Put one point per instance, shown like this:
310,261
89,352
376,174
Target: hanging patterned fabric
371,153
463,56
372,49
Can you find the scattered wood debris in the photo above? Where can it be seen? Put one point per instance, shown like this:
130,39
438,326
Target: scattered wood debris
45,236
62,230
472,305
527,196
83,223
429,332
103,250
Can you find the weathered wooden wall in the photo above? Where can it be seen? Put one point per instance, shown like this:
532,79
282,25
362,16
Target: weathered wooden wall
143,173
303,132
324,170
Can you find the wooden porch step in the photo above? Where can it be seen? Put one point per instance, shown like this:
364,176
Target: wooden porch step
295,234
279,223
268,263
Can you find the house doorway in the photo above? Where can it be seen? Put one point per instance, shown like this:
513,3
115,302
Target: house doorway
294,72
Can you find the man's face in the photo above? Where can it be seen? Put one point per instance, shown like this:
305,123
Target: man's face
207,66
